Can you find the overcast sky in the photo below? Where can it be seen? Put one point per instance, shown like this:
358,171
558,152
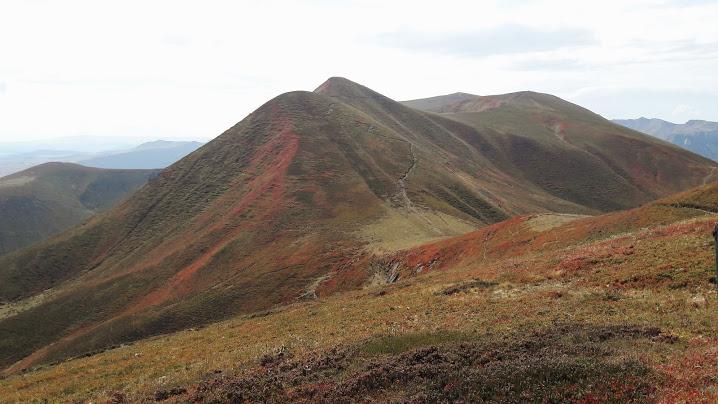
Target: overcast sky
190,69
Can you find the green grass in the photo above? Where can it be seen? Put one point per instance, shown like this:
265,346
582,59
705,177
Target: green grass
396,344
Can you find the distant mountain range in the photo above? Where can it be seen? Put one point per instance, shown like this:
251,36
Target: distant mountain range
149,155
44,200
700,137
82,144
13,162
157,154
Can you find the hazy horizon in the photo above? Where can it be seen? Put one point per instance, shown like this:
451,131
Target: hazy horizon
112,70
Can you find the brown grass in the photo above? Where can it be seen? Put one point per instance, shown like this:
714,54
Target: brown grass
656,277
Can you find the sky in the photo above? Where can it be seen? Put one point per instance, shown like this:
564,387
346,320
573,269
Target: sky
176,69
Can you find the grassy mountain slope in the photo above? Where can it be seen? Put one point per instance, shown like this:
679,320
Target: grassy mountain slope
45,200
545,137
249,221
544,307
302,199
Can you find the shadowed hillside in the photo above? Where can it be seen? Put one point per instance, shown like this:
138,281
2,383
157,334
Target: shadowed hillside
546,138
305,197
47,199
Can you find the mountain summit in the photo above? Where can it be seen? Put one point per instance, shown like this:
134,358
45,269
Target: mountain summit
304,197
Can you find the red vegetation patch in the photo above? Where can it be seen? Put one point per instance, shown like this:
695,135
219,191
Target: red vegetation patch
501,250
587,257
349,270
692,377
680,229
482,104
273,158
490,242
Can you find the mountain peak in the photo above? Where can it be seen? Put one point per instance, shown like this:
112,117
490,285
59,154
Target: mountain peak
346,89
334,83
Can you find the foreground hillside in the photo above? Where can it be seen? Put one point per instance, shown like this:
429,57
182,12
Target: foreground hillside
306,197
537,308
45,200
700,137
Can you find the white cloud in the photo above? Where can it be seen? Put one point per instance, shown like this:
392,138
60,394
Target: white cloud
171,68
500,40
680,111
